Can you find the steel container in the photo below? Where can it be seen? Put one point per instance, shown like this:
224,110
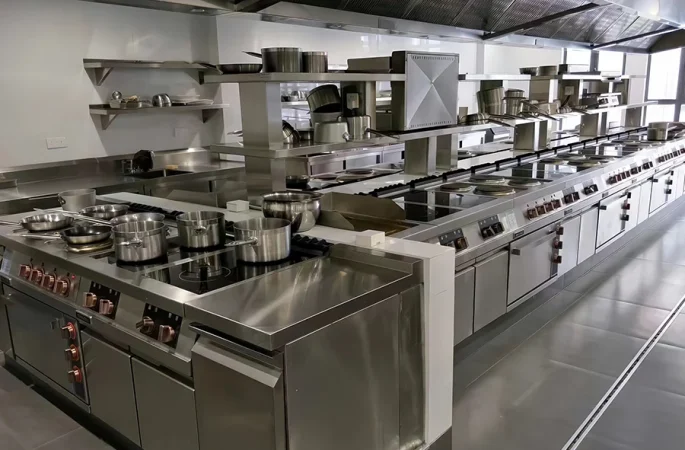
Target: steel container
282,59
548,71
76,200
325,99
358,127
331,132
201,229
490,100
138,217
315,62
139,241
262,240
301,209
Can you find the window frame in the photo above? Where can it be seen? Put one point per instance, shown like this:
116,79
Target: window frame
680,91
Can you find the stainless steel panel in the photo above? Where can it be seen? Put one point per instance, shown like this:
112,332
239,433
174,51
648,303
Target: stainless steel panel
531,263
36,336
166,410
645,195
346,374
610,222
5,340
110,386
238,400
411,368
464,290
660,187
588,234
633,207
490,299
571,243
428,97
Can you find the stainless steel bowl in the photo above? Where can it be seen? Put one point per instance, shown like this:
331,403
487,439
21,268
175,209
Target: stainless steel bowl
301,209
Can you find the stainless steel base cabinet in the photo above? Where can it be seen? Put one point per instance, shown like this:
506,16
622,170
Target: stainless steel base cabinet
643,206
571,243
490,298
166,410
588,234
110,385
532,262
464,284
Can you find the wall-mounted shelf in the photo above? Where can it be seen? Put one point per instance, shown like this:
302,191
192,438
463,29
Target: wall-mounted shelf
103,67
585,77
279,77
493,77
108,114
380,101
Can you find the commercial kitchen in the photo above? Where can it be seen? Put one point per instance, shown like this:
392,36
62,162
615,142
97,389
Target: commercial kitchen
342,225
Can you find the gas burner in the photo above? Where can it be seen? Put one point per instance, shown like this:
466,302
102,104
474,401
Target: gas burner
575,157
487,179
586,163
360,171
89,248
524,182
555,161
495,190
457,187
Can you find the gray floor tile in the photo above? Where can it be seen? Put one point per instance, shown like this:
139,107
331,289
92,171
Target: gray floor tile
664,369
80,439
7,439
592,442
638,268
587,282
675,335
642,291
8,382
616,316
31,419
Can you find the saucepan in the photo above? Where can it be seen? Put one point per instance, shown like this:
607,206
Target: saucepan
201,229
76,200
302,210
484,118
262,240
139,241
42,222
77,235
138,217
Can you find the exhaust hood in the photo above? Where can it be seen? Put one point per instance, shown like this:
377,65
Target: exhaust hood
626,25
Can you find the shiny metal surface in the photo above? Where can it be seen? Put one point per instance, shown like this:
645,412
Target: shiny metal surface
138,217
166,410
81,235
490,298
282,59
302,210
532,262
367,420
315,62
464,289
262,240
298,299
231,387
110,386
43,222
325,99
105,212
76,200
201,229
139,241
331,132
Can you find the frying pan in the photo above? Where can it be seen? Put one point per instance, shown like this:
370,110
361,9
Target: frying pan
240,68
104,212
77,235
42,222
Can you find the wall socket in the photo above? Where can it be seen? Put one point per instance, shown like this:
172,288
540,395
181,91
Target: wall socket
56,142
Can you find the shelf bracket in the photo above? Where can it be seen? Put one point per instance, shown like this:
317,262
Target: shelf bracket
207,114
101,75
106,121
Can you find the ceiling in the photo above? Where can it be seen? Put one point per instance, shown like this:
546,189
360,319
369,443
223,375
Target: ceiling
564,23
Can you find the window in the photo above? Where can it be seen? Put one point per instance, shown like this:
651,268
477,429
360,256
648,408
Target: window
610,62
578,57
660,113
664,70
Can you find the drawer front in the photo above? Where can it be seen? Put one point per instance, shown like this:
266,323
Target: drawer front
531,263
490,298
611,221
588,234
659,192
643,208
464,285
571,243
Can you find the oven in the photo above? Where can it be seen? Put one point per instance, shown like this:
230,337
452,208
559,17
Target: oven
613,215
46,342
661,188
534,260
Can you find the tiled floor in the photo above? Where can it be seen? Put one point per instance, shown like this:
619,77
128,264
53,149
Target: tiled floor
28,421
534,391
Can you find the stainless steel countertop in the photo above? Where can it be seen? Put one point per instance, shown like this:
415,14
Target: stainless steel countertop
113,181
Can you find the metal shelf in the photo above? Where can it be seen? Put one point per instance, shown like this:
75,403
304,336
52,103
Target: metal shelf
278,77
103,67
603,110
493,77
108,114
380,101
585,77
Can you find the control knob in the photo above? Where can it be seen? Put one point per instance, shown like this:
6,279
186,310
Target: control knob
25,271
62,287
106,307
560,230
48,282
71,354
558,244
69,331
37,275
75,375
166,334
146,325
557,259
90,300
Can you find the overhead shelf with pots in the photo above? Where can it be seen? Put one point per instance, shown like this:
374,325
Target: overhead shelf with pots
103,67
301,77
108,114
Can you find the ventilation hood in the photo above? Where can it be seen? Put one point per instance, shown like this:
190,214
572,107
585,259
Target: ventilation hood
626,25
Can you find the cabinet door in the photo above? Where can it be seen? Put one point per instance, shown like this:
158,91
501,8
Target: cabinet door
588,234
490,300
632,210
611,221
643,207
110,384
464,283
531,263
659,191
571,242
166,410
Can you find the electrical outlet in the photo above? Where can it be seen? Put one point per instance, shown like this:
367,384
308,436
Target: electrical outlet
56,142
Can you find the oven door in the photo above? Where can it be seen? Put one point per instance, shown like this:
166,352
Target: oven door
660,190
534,259
612,218
36,331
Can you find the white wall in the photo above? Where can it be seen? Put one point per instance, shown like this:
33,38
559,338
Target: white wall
505,59
46,91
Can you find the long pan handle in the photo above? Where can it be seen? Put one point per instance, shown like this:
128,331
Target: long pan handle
76,215
42,237
7,222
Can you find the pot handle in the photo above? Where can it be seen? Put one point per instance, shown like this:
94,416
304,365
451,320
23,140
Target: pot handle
135,242
61,200
44,237
200,229
251,241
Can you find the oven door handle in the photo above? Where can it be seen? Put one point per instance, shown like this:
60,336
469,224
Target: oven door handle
518,249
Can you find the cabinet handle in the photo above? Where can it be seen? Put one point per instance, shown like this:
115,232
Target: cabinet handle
516,251
603,207
7,298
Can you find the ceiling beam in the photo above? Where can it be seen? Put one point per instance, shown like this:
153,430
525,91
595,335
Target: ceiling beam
541,21
637,36
253,6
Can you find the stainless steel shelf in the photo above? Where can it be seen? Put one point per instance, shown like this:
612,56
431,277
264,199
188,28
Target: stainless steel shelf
604,110
103,67
493,77
108,114
585,76
380,101
278,77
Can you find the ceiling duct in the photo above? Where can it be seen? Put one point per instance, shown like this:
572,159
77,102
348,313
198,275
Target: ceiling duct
200,7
